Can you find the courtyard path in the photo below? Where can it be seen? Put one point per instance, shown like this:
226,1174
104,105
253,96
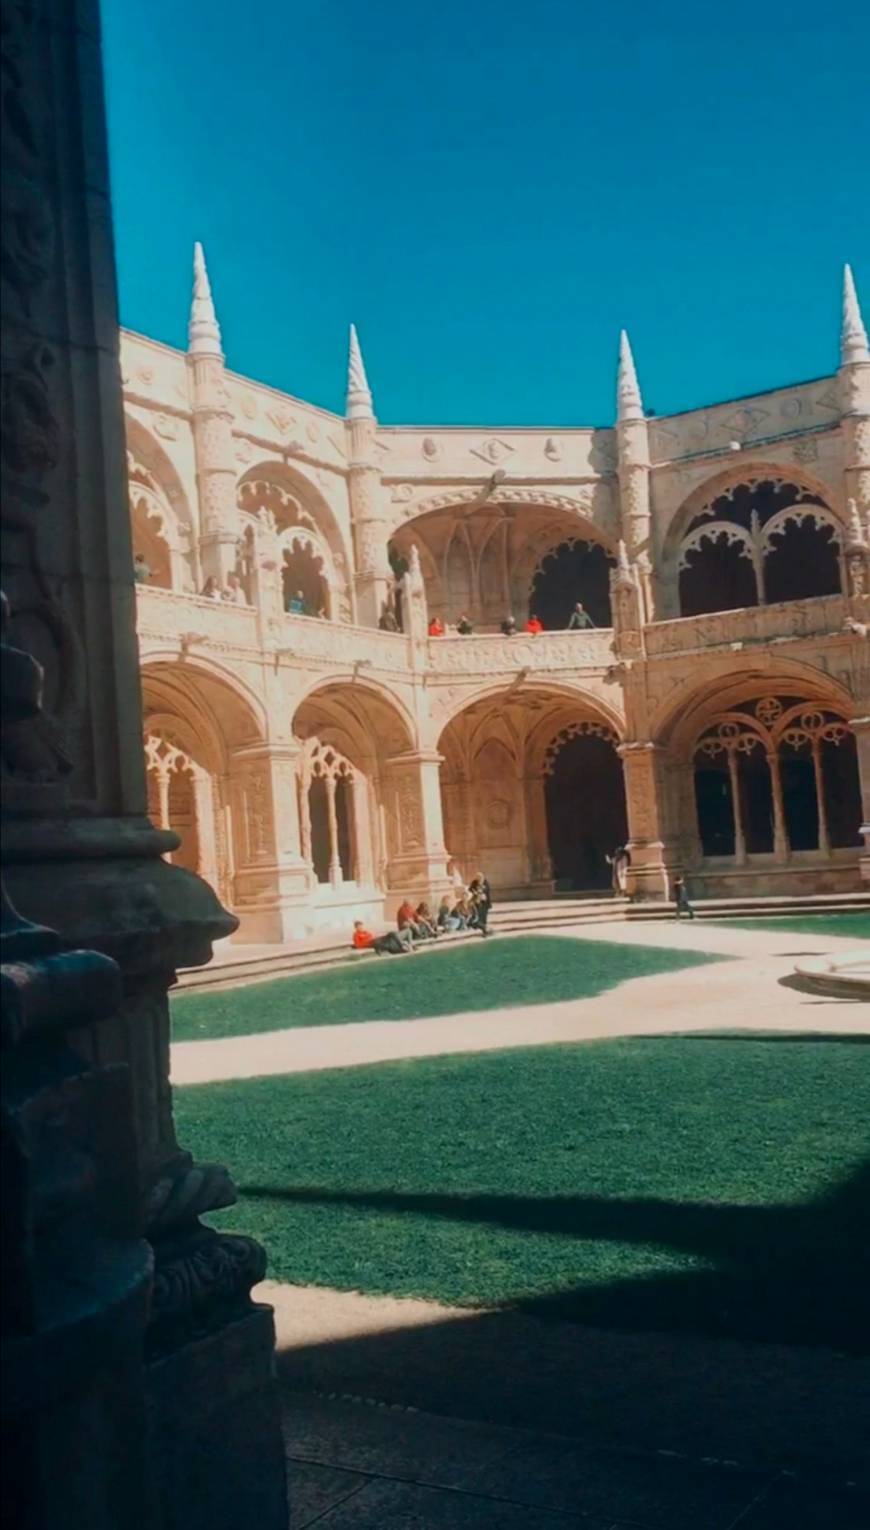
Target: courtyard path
741,994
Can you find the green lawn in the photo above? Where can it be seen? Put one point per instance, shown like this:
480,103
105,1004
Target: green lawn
532,969
851,926
704,1183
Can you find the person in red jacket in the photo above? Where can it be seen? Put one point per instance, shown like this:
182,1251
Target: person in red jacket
436,627
534,626
393,943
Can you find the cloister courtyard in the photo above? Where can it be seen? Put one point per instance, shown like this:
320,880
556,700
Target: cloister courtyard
607,1183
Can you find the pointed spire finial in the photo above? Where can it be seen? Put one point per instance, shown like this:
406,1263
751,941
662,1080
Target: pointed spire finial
359,394
203,331
629,405
853,342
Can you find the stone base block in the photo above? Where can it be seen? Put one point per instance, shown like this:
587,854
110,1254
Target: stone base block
215,1430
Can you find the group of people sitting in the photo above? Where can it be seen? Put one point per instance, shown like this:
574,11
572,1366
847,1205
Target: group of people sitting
579,621
469,910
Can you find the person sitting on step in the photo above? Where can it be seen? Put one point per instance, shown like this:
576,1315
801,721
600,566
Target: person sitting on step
394,943
426,922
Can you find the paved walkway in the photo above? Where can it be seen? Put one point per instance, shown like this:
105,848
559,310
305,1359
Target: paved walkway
742,994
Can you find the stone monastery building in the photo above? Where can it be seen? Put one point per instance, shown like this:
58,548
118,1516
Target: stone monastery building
318,766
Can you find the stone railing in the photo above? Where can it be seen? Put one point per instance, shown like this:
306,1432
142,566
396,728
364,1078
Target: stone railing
751,624
548,651
312,638
173,615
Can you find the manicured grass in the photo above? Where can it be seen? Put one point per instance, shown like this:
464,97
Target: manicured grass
707,1183
851,926
533,969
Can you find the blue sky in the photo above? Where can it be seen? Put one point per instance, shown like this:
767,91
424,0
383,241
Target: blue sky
491,190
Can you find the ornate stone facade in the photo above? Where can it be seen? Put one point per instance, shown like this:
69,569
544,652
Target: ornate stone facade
723,556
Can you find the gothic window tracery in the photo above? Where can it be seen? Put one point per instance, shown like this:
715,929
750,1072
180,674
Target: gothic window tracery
775,776
759,542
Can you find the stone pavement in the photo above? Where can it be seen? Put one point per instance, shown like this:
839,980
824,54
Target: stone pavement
353,1466
746,993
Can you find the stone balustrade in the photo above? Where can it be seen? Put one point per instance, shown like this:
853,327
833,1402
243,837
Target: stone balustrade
170,616
173,616
751,624
549,651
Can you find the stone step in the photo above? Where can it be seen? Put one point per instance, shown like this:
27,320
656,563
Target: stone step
232,967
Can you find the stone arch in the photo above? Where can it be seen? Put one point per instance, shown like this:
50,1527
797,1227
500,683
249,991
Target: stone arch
754,534
303,519
767,774
574,698
480,556
506,804
196,725
358,792
162,524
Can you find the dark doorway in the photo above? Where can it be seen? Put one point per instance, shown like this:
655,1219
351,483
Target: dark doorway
799,798
756,801
319,828
585,811
343,818
842,791
715,808
575,571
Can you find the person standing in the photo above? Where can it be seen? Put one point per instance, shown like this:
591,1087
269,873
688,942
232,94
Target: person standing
618,863
534,626
509,627
681,899
141,569
464,627
211,589
436,627
234,592
580,619
296,605
481,899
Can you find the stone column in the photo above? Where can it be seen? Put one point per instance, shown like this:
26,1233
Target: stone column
821,804
736,808
272,878
335,872
202,790
418,857
652,859
861,728
780,831
81,855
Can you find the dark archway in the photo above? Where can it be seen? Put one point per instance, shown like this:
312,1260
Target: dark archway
803,561
302,573
586,817
571,572
764,540
717,576
714,807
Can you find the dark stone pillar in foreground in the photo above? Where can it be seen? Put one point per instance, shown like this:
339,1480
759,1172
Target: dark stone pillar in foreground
81,856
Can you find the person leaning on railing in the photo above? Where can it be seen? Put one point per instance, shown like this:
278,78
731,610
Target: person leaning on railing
580,619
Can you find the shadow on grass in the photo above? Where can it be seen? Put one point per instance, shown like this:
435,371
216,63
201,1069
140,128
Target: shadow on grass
828,1037
594,1364
788,1274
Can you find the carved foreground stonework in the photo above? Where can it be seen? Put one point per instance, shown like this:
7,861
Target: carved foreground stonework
82,858
724,555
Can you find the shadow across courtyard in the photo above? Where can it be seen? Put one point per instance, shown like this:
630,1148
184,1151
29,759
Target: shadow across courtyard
793,1274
